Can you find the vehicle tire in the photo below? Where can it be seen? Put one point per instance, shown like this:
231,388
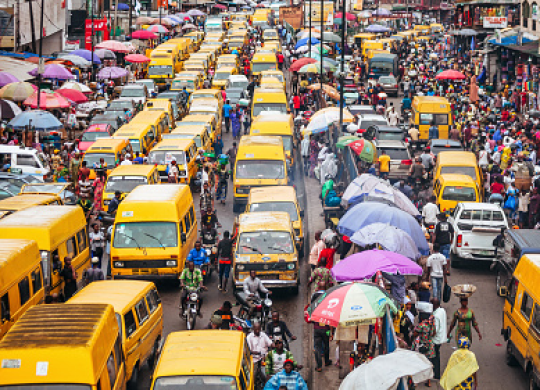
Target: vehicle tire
498,279
455,261
510,358
132,383
153,357
294,290
532,383
236,207
193,321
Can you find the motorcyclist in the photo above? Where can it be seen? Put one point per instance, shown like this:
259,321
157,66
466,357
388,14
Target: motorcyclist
198,255
277,356
252,286
277,329
115,202
191,279
209,218
209,235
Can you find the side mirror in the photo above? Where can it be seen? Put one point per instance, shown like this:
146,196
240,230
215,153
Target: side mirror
183,238
503,291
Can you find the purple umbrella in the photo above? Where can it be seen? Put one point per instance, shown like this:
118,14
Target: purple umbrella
382,12
112,72
365,264
54,71
7,78
377,28
86,54
195,12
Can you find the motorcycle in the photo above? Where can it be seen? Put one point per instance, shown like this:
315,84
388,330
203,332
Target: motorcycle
206,271
209,243
262,312
191,307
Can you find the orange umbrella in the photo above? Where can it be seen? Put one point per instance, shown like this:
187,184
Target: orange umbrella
48,101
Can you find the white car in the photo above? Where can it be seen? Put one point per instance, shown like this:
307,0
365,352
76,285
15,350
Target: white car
367,120
476,225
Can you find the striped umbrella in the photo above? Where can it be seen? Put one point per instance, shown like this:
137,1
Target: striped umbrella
76,86
17,91
8,109
159,29
351,304
48,100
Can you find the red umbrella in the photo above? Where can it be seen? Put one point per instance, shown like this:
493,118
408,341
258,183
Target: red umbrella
48,100
349,16
450,75
295,67
219,6
143,34
137,58
73,95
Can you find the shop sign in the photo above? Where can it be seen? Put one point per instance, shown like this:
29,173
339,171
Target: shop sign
292,15
495,22
99,25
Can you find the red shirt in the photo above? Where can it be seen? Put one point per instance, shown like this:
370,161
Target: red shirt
497,188
296,101
328,254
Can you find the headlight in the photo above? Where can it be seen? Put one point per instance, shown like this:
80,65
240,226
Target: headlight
290,266
240,267
119,264
268,302
171,263
193,297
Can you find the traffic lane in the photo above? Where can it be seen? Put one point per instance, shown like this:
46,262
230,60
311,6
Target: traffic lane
288,305
490,352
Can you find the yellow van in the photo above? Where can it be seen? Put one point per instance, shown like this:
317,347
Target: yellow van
208,107
173,50
371,45
266,239
273,74
140,316
521,318
269,100
270,34
228,58
153,242
195,39
360,38
184,45
164,105
190,83
450,189
281,125
107,149
207,358
436,28
158,118
206,57
125,178
161,70
428,110
183,151
261,62
275,46
20,202
59,231
195,66
227,63
141,136
279,198
221,77
260,161
207,94
237,44
422,30
64,347
21,280
210,121
461,163
198,133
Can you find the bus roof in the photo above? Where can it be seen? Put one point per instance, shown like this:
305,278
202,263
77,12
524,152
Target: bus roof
19,202
268,220
17,257
457,158
132,170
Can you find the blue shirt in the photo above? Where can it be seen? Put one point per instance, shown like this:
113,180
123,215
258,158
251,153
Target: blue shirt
138,160
198,257
406,103
292,381
227,110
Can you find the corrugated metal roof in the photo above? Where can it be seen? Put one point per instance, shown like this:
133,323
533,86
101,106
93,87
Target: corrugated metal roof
17,67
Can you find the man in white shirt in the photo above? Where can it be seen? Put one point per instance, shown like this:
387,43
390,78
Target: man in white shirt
430,211
436,264
439,319
127,160
258,343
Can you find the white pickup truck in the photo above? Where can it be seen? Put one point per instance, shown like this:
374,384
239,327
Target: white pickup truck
476,225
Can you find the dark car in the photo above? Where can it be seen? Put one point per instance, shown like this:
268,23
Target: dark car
108,119
444,145
384,133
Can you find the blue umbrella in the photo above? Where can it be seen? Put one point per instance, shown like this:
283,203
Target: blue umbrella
377,28
41,120
123,7
175,18
304,42
366,213
86,54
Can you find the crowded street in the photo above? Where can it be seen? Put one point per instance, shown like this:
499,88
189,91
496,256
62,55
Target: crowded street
256,196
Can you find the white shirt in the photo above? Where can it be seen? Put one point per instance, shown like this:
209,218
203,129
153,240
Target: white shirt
483,160
436,262
393,118
439,317
497,157
429,212
126,162
259,344
97,240
204,178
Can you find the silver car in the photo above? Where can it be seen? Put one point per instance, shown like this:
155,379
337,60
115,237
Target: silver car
390,85
400,158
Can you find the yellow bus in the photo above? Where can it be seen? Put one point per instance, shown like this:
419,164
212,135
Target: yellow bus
141,136
428,111
183,151
23,201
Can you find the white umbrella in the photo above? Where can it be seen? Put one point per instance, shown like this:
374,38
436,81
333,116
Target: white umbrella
385,371
389,237
76,86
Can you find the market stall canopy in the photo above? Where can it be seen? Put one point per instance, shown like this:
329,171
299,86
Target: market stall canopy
19,69
112,72
189,26
348,15
305,41
143,34
86,54
8,109
17,91
377,28
40,120
54,71
158,29
388,237
330,37
137,58
76,86
7,78
385,371
363,265
105,54
364,149
296,65
196,12
112,45
450,74
345,140
320,121
73,95
381,12
78,61
47,101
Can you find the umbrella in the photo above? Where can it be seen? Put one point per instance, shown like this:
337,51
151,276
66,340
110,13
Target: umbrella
320,121
143,34
40,120
345,140
351,304
295,67
129,46
17,91
304,42
305,34
219,6
189,26
137,58
466,32
377,28
167,22
7,78
364,265
306,30
113,46
185,17
8,109
112,72
387,236
450,74
86,54
364,14
78,61
316,68
47,101
73,95
175,18
195,12
76,86
144,20
157,28
364,149
330,37
123,7
385,371
105,54
381,12
348,16
366,213
54,71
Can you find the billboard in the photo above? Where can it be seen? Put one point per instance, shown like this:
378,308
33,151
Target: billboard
292,15
327,14
495,22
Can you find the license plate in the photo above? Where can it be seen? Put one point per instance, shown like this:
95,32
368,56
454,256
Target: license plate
485,253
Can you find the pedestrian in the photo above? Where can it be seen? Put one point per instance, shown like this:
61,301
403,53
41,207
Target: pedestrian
423,338
173,172
439,320
443,235
384,163
232,156
313,157
436,264
93,273
321,345
321,277
224,255
460,372
465,320
227,114
430,211
99,185
218,146
69,275
287,379
328,253
221,190
235,123
74,165
258,343
406,323
97,243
